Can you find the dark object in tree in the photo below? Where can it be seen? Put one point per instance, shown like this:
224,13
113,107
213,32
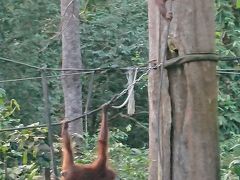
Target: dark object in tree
97,170
163,11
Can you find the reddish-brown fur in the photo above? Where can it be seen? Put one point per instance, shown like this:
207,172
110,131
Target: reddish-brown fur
98,170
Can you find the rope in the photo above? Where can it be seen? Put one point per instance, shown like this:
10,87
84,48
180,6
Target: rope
228,69
20,79
71,69
129,94
111,101
114,98
90,90
39,77
143,67
117,96
53,124
18,62
191,58
227,58
168,63
225,72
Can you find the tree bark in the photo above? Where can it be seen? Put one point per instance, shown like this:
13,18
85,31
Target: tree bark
159,112
193,91
71,58
153,24
188,124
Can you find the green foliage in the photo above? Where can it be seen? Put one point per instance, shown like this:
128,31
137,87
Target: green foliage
130,163
238,4
229,116
228,28
227,38
230,158
113,33
25,31
22,153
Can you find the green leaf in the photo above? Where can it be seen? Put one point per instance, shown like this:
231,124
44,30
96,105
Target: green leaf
25,157
32,174
14,104
35,151
235,166
238,4
2,93
129,128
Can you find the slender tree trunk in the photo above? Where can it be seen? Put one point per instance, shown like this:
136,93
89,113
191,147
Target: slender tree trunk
153,23
159,112
71,58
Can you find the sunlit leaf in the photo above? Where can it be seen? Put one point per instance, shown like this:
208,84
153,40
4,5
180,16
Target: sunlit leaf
238,4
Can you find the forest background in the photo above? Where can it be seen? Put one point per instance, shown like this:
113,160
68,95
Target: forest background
113,34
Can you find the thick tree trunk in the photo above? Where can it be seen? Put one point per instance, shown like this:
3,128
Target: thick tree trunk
71,58
188,143
193,88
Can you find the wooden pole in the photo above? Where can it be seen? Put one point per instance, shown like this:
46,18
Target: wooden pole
188,124
159,112
153,27
193,91
47,117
